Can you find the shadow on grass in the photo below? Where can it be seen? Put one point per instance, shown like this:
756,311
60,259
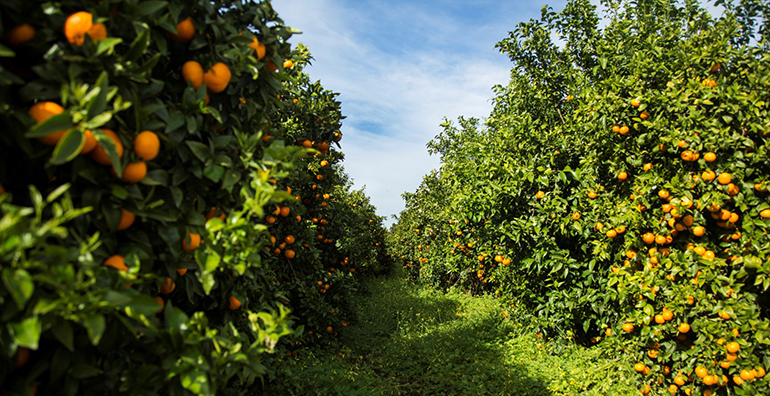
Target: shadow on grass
412,341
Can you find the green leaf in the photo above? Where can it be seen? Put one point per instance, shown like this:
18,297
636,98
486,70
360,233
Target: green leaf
59,122
200,150
214,173
82,370
99,120
109,147
95,325
107,45
99,103
231,178
150,7
6,52
68,147
63,333
140,43
19,283
156,177
196,381
27,332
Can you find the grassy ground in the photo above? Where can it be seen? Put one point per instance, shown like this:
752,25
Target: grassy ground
414,341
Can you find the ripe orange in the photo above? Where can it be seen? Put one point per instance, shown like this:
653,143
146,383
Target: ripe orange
135,172
539,195
644,115
628,327
289,239
192,71
733,347
289,254
760,372
259,48
683,328
639,367
710,157
765,213
747,375
81,23
611,234
660,239
592,194
100,156
576,216
147,145
679,380
117,262
20,34
701,371
288,64
616,128
194,241
624,130
285,211
724,178
648,238
636,102
181,271
329,329
42,111
90,143
234,303
622,176
659,319
217,77
647,166
185,31
162,303
126,219
663,194
168,286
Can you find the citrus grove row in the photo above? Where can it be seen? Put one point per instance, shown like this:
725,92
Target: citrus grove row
173,211
617,195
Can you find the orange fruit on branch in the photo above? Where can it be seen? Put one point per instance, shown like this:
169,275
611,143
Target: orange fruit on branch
135,172
100,156
192,71
191,242
41,112
217,77
20,34
185,31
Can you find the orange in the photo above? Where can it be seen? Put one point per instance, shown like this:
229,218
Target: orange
644,115
42,111
732,189
90,143
185,31
100,156
647,166
288,64
611,234
679,380
576,216
636,102
616,128
659,319
168,286
135,172
76,26
724,178
628,327
622,176
126,219
709,380
663,194
289,239
270,219
217,77
765,213
760,372
20,34
98,32
592,195
747,375
192,71
698,231
329,329
259,48
724,365
733,347
289,254
731,357
624,130
701,371
194,242
710,157
181,271
116,261
234,303
648,238
660,239
539,195
683,328
285,211
146,145
639,367
162,303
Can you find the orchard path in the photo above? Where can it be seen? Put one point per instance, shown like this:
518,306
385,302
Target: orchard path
417,341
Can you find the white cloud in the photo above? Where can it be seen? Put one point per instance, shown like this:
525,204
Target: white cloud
399,70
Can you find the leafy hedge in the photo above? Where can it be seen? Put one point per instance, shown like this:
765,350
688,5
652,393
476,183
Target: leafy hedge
136,251
597,192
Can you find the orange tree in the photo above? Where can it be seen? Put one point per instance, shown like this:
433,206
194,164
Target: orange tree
151,117
618,190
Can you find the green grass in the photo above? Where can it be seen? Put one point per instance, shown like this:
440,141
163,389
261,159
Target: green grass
415,341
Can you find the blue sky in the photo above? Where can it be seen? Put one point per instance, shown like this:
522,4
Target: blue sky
401,67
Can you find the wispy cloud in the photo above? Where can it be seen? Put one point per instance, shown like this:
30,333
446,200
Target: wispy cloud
400,68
